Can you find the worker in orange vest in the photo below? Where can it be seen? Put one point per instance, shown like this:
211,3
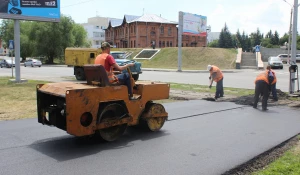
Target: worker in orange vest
272,76
109,63
217,76
262,83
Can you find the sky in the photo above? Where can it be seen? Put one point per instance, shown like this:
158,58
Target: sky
245,15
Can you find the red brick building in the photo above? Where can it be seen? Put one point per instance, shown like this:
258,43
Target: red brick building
140,32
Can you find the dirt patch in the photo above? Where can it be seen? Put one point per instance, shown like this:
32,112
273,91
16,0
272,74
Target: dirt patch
283,98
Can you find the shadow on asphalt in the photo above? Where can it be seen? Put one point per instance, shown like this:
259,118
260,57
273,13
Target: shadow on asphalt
69,147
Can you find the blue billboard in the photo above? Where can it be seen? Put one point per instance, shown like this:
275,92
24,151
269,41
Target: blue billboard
35,10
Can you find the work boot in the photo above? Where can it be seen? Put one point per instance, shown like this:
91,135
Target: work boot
265,109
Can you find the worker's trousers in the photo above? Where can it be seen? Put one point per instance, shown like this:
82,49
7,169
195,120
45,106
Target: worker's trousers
219,89
261,88
124,79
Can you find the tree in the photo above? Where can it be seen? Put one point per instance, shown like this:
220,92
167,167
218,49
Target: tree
225,39
214,43
276,38
239,38
80,34
51,39
256,38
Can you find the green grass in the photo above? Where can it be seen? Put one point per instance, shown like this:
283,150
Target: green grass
288,164
205,89
18,100
193,58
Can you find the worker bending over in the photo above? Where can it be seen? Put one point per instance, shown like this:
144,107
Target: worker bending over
217,76
272,78
262,83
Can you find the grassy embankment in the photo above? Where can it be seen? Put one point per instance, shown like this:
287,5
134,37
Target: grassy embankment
193,58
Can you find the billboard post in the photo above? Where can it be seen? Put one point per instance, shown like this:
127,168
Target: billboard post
180,30
17,49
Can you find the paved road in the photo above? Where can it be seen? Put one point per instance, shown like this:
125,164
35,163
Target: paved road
210,141
239,79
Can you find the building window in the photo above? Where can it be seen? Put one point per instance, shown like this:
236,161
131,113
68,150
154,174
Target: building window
167,43
134,43
163,44
97,42
170,31
162,30
186,44
187,37
159,43
171,44
131,44
152,33
96,34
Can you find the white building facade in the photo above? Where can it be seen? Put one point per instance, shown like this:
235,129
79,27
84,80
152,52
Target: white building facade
95,30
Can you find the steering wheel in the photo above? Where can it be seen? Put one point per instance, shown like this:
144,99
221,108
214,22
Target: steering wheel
127,62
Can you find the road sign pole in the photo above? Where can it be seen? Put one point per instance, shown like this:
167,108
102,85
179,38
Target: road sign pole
17,49
12,65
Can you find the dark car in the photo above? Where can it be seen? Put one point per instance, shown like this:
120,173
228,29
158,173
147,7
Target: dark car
120,58
7,63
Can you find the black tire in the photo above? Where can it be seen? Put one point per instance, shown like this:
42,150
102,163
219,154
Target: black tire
281,67
135,77
111,112
79,74
39,66
24,65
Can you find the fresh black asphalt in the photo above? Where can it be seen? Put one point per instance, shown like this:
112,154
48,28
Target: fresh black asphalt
199,137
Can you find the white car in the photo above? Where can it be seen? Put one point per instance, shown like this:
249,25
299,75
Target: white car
275,62
32,63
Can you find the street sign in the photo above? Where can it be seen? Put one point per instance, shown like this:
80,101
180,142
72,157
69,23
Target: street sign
11,44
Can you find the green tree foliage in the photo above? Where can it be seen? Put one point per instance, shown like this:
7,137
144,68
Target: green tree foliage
256,38
284,39
214,43
46,38
276,38
225,39
239,39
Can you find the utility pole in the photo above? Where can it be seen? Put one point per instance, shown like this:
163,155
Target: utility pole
294,48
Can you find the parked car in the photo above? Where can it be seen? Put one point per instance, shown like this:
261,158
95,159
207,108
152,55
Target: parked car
32,63
275,62
120,58
284,57
7,63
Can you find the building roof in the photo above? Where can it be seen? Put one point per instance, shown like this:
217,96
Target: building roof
115,22
130,18
152,18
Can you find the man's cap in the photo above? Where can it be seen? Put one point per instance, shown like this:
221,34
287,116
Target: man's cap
209,67
105,45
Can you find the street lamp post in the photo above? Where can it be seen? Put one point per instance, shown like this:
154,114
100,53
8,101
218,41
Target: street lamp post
293,65
294,48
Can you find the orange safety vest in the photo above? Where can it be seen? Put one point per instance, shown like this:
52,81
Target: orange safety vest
262,76
275,79
219,74
100,59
